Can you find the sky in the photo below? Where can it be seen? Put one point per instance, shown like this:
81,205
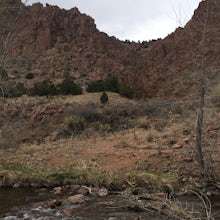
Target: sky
134,20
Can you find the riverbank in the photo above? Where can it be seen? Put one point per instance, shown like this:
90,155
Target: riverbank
126,144
79,202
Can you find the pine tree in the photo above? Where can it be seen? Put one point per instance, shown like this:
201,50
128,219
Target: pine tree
104,98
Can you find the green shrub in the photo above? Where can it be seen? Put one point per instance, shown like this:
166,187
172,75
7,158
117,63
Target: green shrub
112,84
104,98
3,74
95,86
126,91
11,89
44,88
29,76
68,86
20,90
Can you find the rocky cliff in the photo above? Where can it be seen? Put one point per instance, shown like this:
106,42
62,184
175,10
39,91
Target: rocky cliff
50,41
173,66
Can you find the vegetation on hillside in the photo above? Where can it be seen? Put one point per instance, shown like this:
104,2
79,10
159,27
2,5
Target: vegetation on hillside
111,84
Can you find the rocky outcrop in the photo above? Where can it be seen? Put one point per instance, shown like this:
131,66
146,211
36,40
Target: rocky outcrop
172,67
50,41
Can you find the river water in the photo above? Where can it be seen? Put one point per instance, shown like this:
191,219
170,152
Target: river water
19,203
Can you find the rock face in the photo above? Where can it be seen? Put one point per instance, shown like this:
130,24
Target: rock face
171,67
50,41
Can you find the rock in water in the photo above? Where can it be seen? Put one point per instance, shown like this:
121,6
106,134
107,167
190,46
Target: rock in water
57,190
102,192
77,199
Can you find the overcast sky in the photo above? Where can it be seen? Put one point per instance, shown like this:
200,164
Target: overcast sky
134,19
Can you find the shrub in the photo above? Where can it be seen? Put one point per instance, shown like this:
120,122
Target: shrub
95,86
11,90
75,123
122,110
104,128
126,91
19,90
68,86
29,76
104,98
89,112
150,137
112,84
44,88
4,74
153,106
144,44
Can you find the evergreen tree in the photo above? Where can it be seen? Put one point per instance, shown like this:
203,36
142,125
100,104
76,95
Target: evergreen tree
68,86
104,98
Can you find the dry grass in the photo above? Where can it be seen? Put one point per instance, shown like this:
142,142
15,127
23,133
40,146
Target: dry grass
119,138
173,208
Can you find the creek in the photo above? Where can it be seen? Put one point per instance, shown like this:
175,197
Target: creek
28,203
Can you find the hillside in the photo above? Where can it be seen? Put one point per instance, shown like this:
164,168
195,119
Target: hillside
65,139
54,41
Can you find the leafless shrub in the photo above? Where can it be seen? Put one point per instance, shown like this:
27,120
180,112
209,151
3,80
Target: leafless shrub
75,124
150,137
87,111
122,110
160,125
173,208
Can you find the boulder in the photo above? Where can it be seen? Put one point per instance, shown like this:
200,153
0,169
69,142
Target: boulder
77,199
54,203
57,190
102,192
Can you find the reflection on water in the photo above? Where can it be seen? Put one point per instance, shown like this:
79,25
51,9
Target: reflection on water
15,197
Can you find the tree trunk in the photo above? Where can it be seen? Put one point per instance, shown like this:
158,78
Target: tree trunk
200,113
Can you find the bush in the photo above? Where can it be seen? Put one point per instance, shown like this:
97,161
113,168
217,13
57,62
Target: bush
105,128
19,90
95,86
11,90
153,106
104,98
29,76
126,91
4,74
44,88
89,112
75,123
68,86
112,84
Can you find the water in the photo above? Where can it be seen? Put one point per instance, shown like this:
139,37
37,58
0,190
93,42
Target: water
12,198
215,200
31,204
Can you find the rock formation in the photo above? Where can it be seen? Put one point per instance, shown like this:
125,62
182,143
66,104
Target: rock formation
49,41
